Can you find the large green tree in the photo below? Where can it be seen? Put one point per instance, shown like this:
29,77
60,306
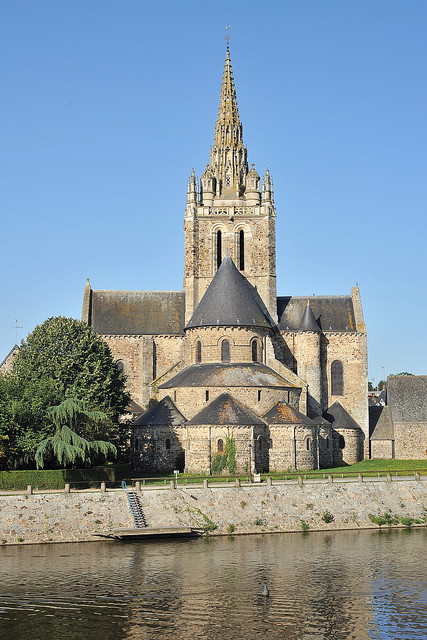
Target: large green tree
66,446
62,358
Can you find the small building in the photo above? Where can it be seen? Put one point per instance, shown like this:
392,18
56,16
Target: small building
399,428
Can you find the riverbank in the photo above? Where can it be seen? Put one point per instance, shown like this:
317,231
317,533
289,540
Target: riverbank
79,516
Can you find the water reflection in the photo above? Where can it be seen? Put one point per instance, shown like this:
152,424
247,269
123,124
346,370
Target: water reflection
359,584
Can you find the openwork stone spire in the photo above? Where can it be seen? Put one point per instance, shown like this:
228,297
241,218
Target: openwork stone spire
228,161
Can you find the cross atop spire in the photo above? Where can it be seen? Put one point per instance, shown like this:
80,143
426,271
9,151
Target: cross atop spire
227,38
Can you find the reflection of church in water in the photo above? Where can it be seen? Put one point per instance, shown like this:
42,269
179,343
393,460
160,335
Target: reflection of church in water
230,364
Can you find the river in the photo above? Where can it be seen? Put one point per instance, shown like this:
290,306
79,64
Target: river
338,585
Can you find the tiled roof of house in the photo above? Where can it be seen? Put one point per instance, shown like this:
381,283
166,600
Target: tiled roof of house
163,413
225,410
242,374
283,413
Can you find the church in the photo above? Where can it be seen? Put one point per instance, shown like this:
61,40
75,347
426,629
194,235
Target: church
227,375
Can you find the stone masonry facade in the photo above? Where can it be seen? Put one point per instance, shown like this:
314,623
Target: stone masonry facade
226,359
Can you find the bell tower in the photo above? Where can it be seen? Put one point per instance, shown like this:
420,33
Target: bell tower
229,210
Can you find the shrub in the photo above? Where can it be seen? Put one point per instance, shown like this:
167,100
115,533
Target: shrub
231,528
54,478
304,525
327,516
406,521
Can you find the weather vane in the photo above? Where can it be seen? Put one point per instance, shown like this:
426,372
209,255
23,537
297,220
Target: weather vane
227,38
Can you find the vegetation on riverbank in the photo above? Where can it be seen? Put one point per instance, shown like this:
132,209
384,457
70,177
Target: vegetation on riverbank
115,473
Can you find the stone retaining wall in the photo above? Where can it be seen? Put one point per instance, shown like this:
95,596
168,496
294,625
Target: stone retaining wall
78,516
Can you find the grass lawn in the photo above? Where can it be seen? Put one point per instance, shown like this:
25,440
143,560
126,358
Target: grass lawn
371,467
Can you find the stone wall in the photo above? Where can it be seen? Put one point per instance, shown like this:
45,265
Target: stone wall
144,358
274,447
191,400
410,440
58,517
240,339
350,348
258,225
382,449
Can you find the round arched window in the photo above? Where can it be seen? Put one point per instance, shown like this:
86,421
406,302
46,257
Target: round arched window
225,351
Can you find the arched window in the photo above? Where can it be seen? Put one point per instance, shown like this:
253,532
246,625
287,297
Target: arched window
218,248
241,250
198,351
120,366
255,355
174,396
308,444
327,442
337,378
168,443
341,442
225,351
259,395
220,446
206,395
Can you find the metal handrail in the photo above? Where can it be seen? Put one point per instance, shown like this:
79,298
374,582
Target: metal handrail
131,507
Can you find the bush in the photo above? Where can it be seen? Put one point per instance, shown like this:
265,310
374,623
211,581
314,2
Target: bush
53,479
304,525
327,516
407,522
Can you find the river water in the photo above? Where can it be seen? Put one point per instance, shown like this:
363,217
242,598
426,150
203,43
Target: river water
354,584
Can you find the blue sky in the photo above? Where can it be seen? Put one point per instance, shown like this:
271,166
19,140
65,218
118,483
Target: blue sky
107,105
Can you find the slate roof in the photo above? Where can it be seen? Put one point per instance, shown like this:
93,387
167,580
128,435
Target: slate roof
321,420
163,413
226,410
137,312
229,301
340,418
331,313
381,424
308,322
283,413
407,397
242,374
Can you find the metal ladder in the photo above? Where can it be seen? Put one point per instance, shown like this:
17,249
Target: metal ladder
135,507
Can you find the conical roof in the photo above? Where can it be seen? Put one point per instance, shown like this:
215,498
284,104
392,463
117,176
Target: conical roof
340,418
308,322
225,410
229,301
283,413
163,413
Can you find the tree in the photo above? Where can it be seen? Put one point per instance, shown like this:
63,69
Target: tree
62,358
71,354
65,445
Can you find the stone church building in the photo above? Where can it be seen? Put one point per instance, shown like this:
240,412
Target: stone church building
229,369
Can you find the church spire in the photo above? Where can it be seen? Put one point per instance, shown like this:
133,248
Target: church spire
228,161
